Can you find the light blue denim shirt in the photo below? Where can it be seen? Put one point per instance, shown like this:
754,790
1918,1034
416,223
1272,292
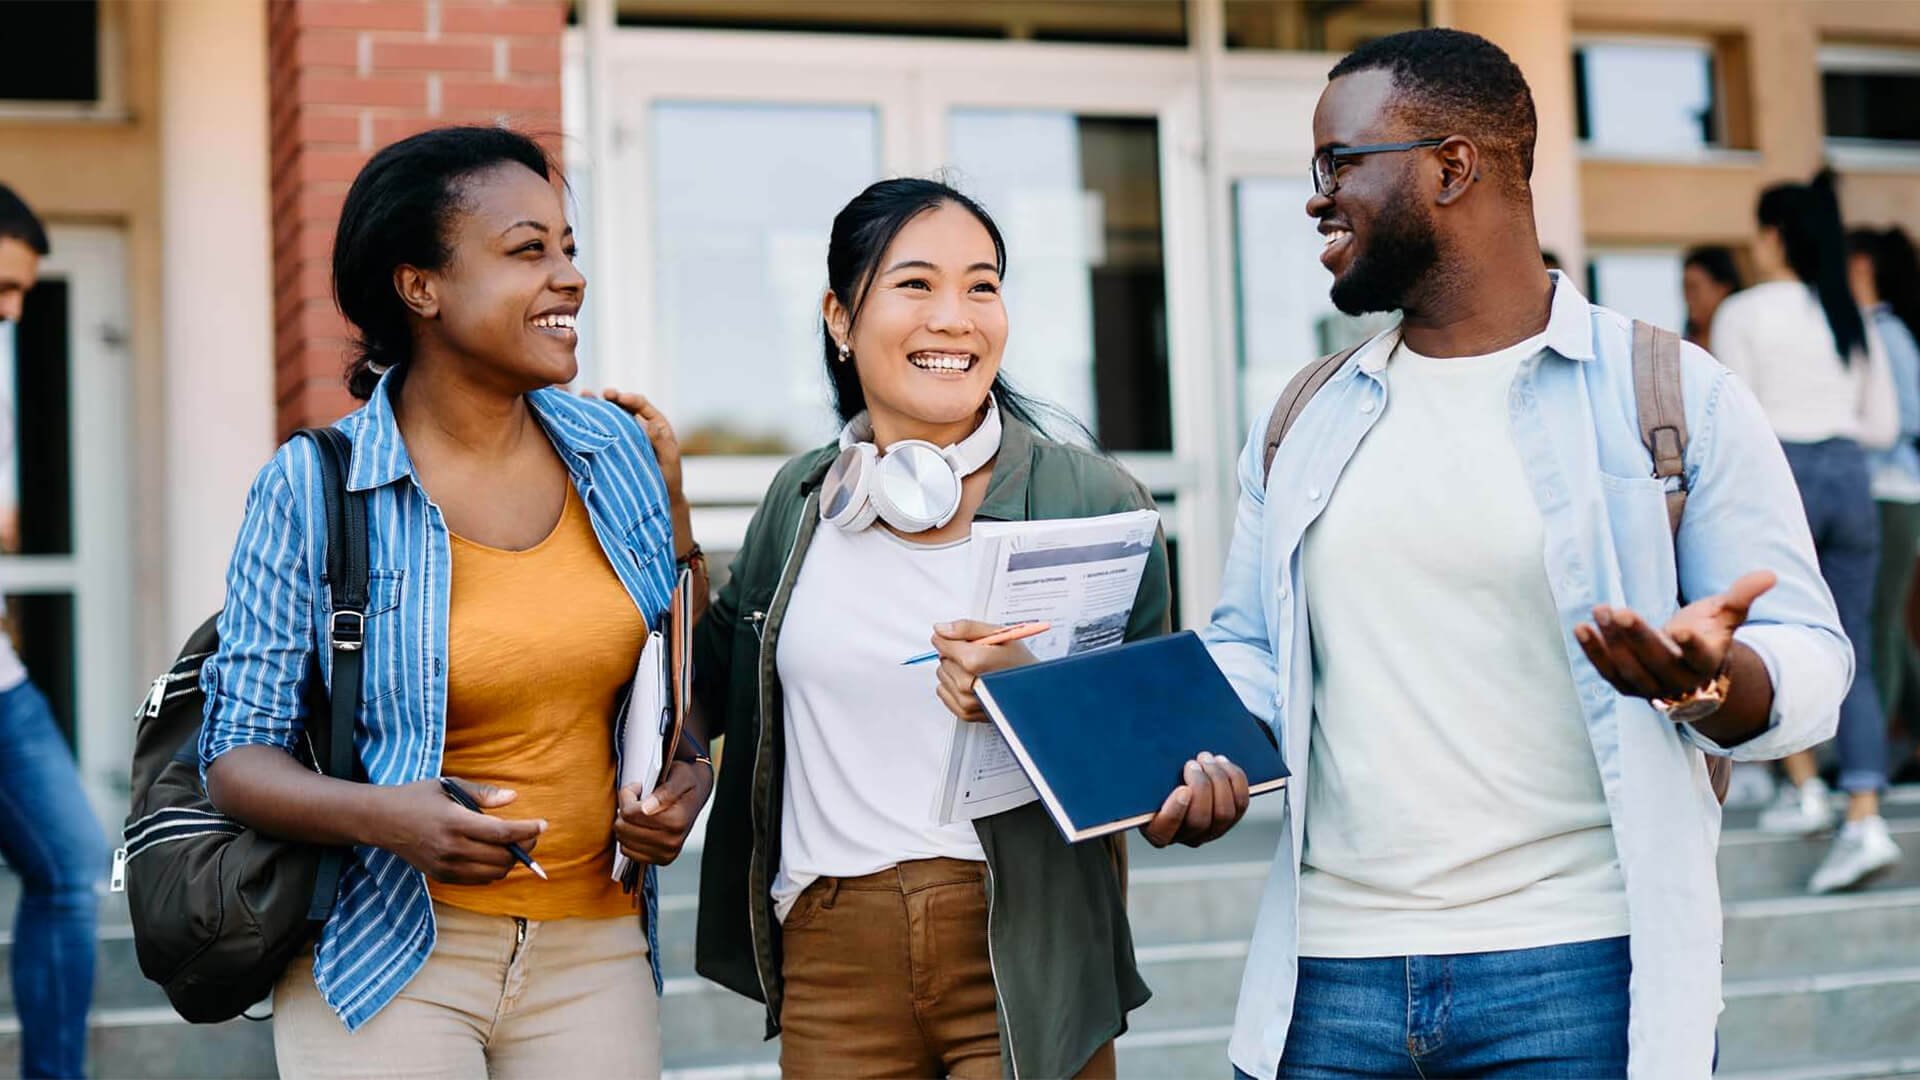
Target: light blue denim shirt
1607,540
1896,470
277,610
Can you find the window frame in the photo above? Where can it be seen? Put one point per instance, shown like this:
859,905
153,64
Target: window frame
1868,154
110,107
1725,149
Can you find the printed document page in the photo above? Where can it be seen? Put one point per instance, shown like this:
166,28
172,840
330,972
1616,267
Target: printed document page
1079,574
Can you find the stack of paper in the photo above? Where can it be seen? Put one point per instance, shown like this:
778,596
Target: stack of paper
642,725
1081,575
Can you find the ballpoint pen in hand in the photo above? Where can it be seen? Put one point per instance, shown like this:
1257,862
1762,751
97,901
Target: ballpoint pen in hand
1017,632
459,794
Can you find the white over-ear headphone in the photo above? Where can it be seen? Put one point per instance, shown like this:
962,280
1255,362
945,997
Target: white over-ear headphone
914,486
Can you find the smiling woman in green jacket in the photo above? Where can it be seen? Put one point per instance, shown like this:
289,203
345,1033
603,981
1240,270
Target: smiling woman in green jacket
883,942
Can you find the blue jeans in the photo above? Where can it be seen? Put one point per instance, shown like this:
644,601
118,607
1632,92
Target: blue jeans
1557,1011
1837,492
50,838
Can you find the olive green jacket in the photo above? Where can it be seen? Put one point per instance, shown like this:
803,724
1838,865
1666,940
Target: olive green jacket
1058,938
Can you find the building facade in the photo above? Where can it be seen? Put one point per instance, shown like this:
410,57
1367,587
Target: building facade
1145,158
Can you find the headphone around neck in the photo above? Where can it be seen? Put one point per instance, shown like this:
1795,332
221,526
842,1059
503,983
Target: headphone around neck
914,486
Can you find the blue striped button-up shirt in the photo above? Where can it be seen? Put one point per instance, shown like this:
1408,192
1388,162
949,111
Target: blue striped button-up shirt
276,618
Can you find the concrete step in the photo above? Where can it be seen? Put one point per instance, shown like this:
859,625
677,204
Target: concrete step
1183,1052
1836,1017
1906,1067
155,1044
1878,928
1756,864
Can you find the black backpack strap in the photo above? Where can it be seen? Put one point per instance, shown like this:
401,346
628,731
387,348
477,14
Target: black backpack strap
347,575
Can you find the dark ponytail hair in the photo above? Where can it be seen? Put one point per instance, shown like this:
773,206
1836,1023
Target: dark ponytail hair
1807,217
397,214
862,232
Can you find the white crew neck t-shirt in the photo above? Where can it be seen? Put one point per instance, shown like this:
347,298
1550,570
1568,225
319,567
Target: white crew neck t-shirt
1455,805
866,737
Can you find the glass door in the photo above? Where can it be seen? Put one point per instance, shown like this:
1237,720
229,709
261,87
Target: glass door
733,151
1283,316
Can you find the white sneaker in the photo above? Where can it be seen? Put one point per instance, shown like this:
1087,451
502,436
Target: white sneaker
1751,785
1862,849
1798,811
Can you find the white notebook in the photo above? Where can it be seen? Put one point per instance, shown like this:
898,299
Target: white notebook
649,711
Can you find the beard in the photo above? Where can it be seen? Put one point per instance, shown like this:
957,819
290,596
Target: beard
1400,252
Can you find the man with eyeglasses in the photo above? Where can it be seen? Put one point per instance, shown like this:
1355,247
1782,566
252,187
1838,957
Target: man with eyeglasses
1492,666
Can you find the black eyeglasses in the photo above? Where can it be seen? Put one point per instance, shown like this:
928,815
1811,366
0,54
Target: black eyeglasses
1324,162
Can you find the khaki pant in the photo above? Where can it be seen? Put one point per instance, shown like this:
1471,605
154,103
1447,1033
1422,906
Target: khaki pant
887,976
574,997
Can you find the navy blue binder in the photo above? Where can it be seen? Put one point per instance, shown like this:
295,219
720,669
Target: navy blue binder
1104,735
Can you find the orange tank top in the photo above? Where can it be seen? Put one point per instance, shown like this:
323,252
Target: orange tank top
540,644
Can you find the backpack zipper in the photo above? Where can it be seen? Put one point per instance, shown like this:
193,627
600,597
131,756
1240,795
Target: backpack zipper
157,695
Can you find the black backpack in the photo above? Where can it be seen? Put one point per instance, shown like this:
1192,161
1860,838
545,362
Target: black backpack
219,909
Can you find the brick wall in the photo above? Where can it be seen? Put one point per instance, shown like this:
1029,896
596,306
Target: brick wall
348,77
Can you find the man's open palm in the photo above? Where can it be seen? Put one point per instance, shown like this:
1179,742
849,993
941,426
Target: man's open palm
1668,662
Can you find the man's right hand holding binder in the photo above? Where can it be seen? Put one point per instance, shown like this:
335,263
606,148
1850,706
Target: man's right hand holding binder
1212,798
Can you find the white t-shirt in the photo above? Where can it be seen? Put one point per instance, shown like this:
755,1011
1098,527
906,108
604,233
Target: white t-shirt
866,737
1776,337
1455,805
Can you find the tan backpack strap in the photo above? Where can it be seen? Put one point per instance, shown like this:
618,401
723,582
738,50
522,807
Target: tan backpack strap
1663,428
1663,411
1293,400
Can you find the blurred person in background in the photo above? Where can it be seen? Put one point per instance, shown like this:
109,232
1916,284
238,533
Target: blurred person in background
47,830
1885,273
1801,342
1707,277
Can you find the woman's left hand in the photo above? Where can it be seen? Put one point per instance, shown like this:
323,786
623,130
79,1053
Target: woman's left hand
962,662
654,829
666,445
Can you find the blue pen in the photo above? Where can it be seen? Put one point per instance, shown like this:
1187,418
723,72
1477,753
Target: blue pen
1017,632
